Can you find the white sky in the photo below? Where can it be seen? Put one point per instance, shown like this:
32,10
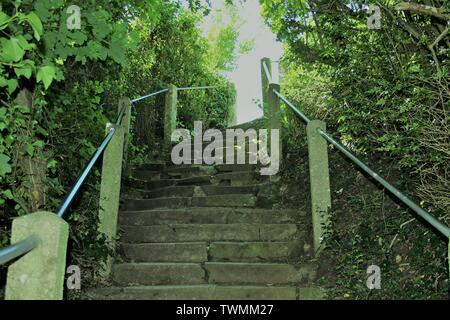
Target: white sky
247,76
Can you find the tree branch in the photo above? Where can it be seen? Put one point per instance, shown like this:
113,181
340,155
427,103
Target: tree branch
440,13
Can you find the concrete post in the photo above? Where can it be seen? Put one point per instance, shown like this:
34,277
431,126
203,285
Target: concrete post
39,275
126,123
320,182
274,113
170,114
265,83
110,187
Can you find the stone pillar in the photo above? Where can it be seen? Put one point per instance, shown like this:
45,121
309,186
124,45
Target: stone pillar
170,114
39,275
320,182
110,187
274,114
126,123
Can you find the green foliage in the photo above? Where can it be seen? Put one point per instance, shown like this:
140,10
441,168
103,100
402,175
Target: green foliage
175,52
224,38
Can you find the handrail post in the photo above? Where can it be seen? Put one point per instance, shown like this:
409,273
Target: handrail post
110,188
320,182
170,114
39,275
265,82
126,123
274,114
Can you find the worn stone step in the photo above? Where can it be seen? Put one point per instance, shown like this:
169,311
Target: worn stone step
190,191
235,167
210,216
259,273
215,251
190,171
210,232
158,273
225,200
162,183
230,200
166,252
256,251
173,191
226,190
197,292
156,166
242,178
146,174
237,179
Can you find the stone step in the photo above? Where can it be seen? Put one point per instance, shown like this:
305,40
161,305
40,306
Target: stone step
235,167
190,171
172,191
227,190
259,273
166,252
218,167
200,292
256,251
158,273
190,191
146,174
157,166
129,274
231,200
215,251
162,183
210,216
238,179
210,232
242,178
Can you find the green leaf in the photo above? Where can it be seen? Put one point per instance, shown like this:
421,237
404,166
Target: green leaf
30,149
12,50
12,85
39,144
24,71
4,165
36,24
8,194
78,36
4,19
46,74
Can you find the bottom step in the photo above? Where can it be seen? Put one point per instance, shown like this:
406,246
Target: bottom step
207,292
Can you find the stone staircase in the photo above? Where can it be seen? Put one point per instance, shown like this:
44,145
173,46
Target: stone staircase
196,232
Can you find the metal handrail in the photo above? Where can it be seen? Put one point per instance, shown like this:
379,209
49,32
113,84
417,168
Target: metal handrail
149,95
438,225
267,72
197,88
289,104
18,249
165,90
76,187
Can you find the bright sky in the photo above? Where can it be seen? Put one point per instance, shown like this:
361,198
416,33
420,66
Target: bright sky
247,76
